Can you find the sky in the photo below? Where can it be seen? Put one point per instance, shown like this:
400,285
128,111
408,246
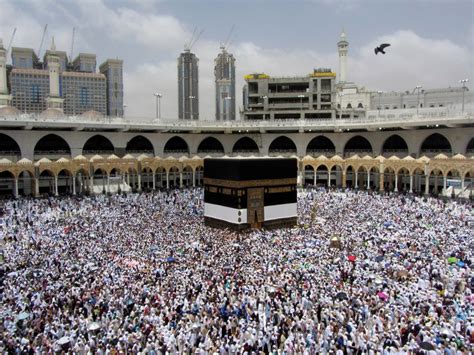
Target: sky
432,41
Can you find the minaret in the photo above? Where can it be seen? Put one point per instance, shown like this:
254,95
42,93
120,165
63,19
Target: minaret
342,49
54,100
5,99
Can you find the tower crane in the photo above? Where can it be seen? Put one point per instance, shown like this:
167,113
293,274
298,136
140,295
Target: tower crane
227,40
194,38
72,43
11,41
42,40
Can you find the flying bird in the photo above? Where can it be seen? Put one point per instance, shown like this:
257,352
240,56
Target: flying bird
381,48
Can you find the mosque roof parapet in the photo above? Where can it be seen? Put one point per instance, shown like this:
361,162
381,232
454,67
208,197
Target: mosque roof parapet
52,113
43,161
5,161
24,161
459,157
96,157
79,157
9,111
441,156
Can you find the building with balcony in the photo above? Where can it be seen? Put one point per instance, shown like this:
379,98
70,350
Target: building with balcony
310,97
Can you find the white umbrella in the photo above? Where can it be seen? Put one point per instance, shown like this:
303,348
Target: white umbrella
23,316
64,341
93,326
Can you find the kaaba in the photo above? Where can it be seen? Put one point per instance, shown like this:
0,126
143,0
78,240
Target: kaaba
250,192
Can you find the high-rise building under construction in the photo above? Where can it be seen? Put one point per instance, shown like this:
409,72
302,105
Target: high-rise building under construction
224,71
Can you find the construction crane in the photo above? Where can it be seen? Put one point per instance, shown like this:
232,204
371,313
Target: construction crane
72,43
11,41
193,40
227,40
42,40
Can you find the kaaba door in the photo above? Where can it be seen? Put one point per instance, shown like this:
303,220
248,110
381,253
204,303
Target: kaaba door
255,206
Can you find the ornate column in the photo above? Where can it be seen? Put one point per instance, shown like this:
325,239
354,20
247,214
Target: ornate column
381,181
154,180
108,182
462,186
356,179
427,184
74,184
344,184
139,174
194,177
167,179
368,179
56,185
15,187
444,183
396,183
411,183
180,179
314,177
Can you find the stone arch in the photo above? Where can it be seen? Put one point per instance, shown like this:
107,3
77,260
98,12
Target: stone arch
245,145
46,181
322,174
357,145
98,144
9,148
160,177
187,176
435,181
308,177
373,178
434,144
65,181
321,145
176,145
350,176
199,175
336,175
52,146
173,177
470,147
147,178
82,181
7,183
210,145
26,183
140,145
282,144
395,145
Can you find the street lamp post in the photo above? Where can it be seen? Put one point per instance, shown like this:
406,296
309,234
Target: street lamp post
418,87
191,97
158,104
464,88
380,95
301,97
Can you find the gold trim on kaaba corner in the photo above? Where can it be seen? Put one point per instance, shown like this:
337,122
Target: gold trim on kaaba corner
249,183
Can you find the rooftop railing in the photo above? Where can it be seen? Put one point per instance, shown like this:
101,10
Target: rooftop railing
372,119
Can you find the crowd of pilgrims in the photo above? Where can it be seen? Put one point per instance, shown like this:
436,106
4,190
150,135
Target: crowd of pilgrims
141,273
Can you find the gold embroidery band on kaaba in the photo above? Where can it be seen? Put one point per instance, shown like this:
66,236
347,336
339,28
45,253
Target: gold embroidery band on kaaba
249,183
